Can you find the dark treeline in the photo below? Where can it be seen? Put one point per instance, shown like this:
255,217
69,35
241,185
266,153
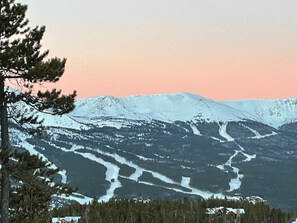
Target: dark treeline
177,211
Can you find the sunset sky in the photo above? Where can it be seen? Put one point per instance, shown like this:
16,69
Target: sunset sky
220,49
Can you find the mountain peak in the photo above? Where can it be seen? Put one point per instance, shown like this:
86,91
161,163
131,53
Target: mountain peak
164,107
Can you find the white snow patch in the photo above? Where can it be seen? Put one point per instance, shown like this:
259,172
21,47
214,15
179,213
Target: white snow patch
186,167
271,112
157,155
195,130
185,181
61,121
236,182
223,132
161,177
215,210
248,157
64,176
144,158
217,139
77,197
257,134
111,175
139,171
135,176
221,167
22,142
73,219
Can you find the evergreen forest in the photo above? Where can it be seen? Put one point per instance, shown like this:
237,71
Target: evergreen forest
173,211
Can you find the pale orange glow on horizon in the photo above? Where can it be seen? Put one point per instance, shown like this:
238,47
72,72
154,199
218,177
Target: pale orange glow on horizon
219,50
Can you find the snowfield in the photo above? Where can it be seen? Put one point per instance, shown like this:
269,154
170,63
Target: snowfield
271,112
167,108
183,107
118,112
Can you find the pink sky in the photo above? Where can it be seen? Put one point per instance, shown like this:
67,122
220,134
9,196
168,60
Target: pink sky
218,49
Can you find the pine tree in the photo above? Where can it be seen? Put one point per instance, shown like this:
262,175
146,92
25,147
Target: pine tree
30,199
23,63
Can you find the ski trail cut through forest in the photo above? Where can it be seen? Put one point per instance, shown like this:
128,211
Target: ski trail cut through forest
234,183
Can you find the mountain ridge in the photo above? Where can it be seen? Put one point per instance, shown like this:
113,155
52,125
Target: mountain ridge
188,107
171,146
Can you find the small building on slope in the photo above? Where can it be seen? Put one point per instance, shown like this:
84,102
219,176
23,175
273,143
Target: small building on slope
67,219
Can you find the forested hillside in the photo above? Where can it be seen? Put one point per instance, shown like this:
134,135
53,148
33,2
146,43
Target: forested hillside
175,211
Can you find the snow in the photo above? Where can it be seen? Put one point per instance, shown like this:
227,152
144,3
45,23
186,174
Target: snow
234,183
234,210
195,130
63,121
295,221
135,176
49,120
111,175
63,175
162,177
22,142
144,158
255,199
77,197
119,112
186,167
67,218
217,139
221,208
223,132
248,157
271,112
139,171
185,182
183,107
257,134
167,108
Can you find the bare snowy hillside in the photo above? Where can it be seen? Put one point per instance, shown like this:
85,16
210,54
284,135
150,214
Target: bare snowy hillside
187,107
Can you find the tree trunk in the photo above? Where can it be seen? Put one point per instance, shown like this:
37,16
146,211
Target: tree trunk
4,156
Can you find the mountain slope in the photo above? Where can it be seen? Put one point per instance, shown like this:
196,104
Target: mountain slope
171,146
187,107
271,112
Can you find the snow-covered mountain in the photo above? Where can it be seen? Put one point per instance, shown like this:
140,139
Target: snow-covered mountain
171,146
187,107
271,112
